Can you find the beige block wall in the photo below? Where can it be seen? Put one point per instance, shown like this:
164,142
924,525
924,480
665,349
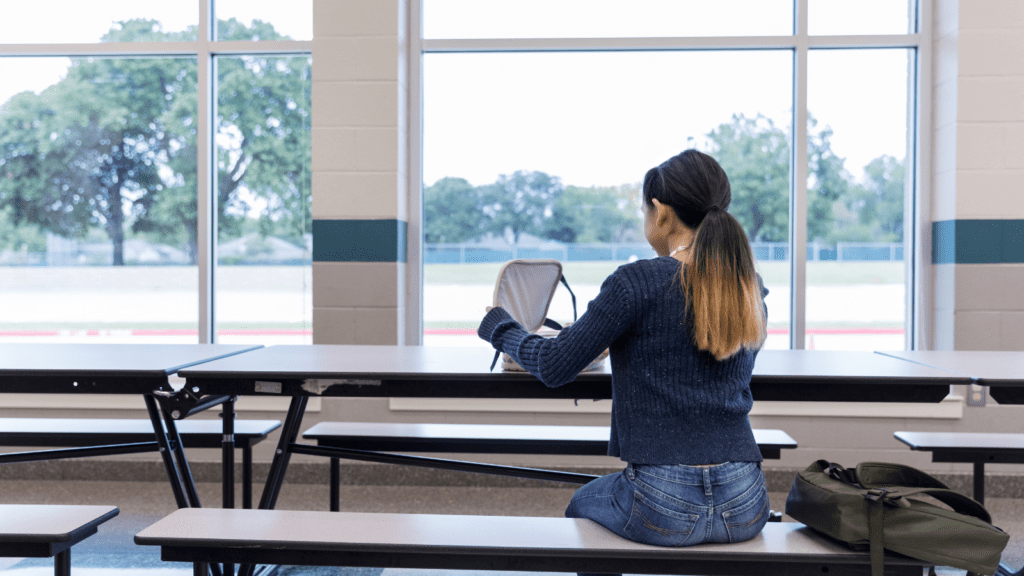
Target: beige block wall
978,164
360,164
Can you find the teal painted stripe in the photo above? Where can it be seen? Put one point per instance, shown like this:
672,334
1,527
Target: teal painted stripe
359,240
978,242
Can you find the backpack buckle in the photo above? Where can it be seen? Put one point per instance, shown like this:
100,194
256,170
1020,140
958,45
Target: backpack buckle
876,494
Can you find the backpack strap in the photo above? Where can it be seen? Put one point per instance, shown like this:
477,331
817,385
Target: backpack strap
566,284
955,500
901,481
880,474
552,324
838,472
876,539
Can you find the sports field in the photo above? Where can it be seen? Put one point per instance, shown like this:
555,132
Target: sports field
862,301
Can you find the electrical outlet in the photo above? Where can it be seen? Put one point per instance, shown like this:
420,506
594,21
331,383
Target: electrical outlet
976,395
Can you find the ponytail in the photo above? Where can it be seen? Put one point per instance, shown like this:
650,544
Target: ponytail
723,291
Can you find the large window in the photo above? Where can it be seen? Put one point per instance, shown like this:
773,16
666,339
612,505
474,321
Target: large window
131,140
540,119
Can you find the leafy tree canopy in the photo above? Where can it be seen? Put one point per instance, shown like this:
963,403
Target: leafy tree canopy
520,203
595,214
113,144
754,153
452,211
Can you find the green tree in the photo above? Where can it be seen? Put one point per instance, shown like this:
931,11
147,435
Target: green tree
113,144
873,210
755,154
827,181
594,214
519,204
264,123
263,147
90,148
26,238
452,211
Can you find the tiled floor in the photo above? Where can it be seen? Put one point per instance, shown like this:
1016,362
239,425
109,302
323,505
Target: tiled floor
112,552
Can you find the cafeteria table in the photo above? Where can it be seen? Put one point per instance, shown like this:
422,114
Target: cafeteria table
1001,371
462,372
142,369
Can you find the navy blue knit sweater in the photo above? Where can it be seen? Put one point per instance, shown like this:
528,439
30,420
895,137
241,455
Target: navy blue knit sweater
671,403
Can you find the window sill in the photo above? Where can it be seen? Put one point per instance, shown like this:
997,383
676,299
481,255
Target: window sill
951,407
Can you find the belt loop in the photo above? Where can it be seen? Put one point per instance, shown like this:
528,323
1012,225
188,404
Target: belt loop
629,471
707,480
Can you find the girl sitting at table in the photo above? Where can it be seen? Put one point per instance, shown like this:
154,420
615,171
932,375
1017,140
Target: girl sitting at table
683,330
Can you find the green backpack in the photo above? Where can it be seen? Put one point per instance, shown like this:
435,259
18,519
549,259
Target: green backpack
873,508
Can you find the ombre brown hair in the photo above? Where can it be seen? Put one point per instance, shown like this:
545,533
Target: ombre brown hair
723,292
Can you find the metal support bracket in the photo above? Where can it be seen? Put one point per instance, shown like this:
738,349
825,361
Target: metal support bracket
183,403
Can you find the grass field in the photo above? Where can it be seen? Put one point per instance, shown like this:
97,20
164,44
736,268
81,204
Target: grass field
774,273
297,278
174,288
153,278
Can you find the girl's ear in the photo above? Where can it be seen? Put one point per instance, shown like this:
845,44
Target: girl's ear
661,212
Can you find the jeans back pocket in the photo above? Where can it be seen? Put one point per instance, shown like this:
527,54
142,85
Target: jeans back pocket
746,520
650,523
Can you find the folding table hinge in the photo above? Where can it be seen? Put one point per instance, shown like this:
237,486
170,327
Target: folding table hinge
176,404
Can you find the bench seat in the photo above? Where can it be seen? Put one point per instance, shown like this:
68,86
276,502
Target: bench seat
88,432
430,541
44,531
483,439
491,438
78,432
978,448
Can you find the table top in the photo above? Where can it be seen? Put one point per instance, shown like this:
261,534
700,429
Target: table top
364,362
100,368
26,523
422,362
961,440
417,371
987,368
848,367
109,359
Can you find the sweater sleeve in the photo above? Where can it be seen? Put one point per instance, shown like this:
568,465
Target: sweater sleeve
557,361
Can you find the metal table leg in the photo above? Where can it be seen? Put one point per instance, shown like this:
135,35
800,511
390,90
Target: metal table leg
62,563
335,484
979,482
228,464
247,477
177,448
289,432
278,466
228,453
165,451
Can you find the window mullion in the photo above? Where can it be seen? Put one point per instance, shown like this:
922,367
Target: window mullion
206,194
916,228
414,258
798,186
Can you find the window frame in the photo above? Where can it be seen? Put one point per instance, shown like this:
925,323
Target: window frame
205,49
918,42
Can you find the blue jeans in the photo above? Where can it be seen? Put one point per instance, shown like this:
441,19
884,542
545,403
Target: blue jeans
677,505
